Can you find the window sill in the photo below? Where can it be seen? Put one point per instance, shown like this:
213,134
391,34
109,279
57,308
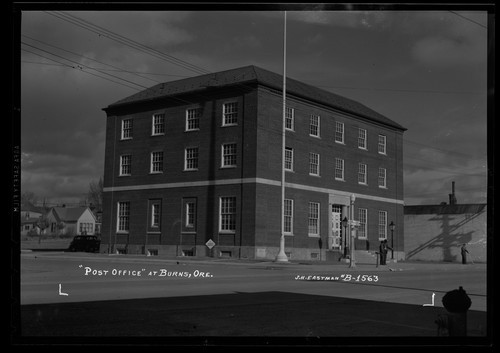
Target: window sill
162,134
314,235
229,167
192,130
190,170
153,232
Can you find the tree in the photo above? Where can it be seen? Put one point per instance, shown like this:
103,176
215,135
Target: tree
94,195
42,223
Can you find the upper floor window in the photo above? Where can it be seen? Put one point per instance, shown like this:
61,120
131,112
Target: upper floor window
158,124
229,155
289,119
156,162
230,114
339,132
127,125
193,119
191,158
126,164
289,159
362,173
362,139
382,178
382,142
314,125
339,169
313,164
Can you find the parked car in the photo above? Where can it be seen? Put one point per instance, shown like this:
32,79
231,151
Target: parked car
87,243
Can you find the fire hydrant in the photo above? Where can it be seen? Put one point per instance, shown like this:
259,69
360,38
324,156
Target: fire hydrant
456,302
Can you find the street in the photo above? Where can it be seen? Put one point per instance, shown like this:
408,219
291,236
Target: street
123,295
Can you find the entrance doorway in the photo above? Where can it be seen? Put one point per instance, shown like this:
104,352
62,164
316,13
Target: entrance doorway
336,232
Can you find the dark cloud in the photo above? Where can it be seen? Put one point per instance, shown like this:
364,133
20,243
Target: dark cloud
408,66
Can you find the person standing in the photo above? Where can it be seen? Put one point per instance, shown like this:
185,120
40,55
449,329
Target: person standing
464,252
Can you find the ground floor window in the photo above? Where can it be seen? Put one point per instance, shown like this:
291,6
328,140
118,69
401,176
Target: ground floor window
362,218
86,228
382,225
227,214
313,219
123,216
288,217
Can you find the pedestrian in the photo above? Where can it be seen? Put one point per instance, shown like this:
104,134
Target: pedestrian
464,252
383,251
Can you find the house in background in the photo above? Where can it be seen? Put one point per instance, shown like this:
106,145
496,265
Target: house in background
436,232
30,215
71,221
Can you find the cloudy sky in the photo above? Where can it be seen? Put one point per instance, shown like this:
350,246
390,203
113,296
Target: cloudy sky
426,70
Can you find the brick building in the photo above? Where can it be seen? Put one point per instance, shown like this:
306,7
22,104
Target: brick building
201,158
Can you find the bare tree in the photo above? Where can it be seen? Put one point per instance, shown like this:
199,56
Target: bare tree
94,195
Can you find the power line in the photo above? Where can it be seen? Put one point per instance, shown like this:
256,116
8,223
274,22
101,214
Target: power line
86,57
101,31
81,69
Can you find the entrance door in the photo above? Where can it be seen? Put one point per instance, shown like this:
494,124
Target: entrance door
336,226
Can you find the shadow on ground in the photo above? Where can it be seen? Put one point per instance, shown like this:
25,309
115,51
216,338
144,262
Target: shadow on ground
262,314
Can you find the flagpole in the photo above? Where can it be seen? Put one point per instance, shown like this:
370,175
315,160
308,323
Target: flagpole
281,257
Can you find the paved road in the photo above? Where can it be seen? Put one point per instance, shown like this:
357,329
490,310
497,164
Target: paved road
227,298
83,278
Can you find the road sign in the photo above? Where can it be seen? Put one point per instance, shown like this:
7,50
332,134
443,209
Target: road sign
210,244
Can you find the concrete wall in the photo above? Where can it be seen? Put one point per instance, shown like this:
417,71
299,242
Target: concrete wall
438,237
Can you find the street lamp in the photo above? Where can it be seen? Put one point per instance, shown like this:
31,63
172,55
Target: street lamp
344,224
392,226
351,262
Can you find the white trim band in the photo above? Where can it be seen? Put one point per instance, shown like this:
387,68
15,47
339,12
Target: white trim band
248,181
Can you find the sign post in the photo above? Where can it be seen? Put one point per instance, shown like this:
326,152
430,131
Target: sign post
210,244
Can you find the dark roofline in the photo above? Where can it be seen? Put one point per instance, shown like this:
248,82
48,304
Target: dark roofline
444,209
254,75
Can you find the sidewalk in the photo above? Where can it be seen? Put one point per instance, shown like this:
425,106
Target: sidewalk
296,264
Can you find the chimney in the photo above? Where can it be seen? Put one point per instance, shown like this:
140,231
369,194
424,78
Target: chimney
453,199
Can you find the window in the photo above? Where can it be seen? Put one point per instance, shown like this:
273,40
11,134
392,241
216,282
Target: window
158,124
362,173
339,169
313,219
362,139
191,158
126,164
313,164
230,114
362,218
229,155
123,217
86,228
155,214
382,225
126,129
227,215
382,142
288,216
289,119
314,125
157,162
339,132
289,159
382,173
190,215
193,119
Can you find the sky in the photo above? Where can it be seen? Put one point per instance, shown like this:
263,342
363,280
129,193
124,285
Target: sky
424,69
